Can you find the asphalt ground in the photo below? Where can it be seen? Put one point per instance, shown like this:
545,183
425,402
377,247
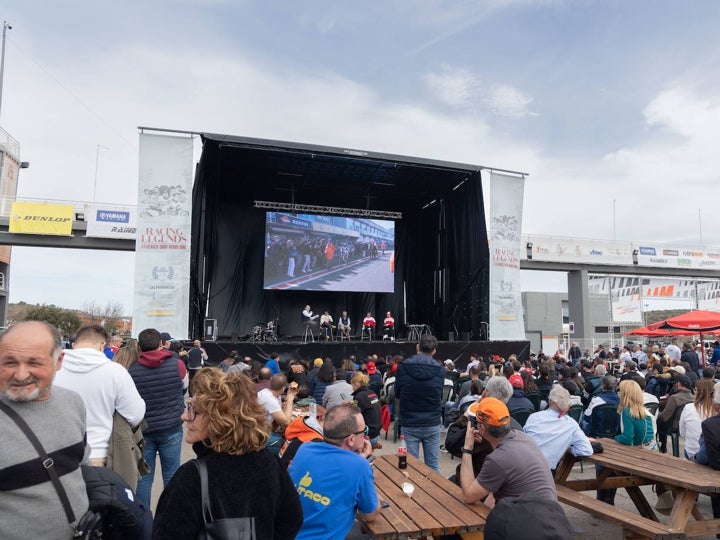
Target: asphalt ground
585,526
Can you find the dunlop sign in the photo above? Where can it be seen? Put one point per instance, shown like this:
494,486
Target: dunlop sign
41,218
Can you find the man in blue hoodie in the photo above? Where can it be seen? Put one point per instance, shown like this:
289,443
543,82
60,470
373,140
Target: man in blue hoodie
418,387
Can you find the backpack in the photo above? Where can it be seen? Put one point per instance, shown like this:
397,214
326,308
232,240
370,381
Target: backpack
123,516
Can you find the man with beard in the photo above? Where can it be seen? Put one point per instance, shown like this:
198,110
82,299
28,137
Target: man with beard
30,355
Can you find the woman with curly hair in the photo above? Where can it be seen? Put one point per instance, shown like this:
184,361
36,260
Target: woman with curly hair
228,430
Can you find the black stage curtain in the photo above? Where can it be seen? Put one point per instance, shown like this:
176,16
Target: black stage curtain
441,258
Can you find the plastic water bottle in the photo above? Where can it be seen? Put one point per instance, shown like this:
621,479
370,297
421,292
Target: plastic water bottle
402,453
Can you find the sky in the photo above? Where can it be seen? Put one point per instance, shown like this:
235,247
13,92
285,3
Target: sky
611,107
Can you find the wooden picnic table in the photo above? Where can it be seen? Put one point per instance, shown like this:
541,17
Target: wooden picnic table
635,466
435,508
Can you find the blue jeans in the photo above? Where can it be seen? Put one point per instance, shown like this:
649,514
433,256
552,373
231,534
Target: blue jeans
429,436
168,445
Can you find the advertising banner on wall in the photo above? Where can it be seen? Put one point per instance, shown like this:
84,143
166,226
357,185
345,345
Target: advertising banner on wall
626,309
106,222
162,249
506,204
41,218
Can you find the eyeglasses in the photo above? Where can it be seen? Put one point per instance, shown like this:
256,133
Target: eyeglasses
365,431
190,412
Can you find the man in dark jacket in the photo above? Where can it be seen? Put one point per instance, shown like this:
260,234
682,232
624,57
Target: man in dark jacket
667,420
691,357
418,387
159,376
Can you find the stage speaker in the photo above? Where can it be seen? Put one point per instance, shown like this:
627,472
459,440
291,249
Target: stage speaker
234,336
451,336
211,329
465,336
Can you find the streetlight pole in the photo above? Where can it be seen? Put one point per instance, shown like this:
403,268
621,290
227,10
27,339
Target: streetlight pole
97,158
6,26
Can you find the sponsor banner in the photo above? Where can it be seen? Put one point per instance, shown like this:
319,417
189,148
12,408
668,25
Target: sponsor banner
578,250
162,249
675,257
626,309
41,218
104,222
506,203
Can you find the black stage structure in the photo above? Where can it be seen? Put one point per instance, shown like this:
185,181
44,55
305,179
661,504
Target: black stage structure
441,248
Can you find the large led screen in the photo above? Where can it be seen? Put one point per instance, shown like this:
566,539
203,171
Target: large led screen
307,252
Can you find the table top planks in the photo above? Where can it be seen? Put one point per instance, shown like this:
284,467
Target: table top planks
435,508
657,467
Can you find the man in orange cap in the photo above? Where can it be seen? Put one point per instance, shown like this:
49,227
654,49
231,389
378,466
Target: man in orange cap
516,464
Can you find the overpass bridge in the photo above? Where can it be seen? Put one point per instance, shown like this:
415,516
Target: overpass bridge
575,256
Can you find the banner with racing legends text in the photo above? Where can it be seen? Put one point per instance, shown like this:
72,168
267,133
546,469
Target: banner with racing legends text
505,224
111,222
162,248
41,218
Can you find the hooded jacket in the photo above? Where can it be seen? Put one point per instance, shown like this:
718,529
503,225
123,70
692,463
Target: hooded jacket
105,387
158,376
418,386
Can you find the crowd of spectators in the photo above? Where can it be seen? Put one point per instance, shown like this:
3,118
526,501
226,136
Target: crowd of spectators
509,421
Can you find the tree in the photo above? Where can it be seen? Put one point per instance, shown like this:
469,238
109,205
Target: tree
64,320
107,316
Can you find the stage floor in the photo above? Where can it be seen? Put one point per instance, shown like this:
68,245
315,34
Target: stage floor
457,351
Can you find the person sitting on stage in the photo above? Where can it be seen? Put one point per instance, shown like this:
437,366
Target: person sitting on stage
369,322
389,327
326,321
308,317
344,324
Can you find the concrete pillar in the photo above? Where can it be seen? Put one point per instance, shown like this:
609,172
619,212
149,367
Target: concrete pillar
579,305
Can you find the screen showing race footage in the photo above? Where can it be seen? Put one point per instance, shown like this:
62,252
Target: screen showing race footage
307,252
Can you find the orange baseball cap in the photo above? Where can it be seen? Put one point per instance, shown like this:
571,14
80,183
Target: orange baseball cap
491,411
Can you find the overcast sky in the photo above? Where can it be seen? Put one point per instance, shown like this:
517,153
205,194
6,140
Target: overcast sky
597,100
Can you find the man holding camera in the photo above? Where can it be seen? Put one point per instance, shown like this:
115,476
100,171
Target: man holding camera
516,464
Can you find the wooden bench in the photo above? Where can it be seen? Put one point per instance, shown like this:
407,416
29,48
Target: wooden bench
632,524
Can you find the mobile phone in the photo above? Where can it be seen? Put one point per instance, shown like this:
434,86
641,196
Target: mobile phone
473,422
371,458
384,504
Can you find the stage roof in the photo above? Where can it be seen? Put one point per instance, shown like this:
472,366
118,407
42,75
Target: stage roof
298,173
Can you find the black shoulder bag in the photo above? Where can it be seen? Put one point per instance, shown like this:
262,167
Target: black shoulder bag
223,529
89,526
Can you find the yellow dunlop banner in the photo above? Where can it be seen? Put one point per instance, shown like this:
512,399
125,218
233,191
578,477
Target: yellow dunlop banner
41,218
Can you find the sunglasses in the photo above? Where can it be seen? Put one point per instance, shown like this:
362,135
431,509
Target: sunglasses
485,418
364,431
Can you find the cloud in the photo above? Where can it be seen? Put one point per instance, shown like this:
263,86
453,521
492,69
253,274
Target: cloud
508,101
462,88
660,183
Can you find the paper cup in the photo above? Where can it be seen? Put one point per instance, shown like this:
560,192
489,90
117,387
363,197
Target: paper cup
408,489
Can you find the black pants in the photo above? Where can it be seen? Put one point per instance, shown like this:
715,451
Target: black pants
605,495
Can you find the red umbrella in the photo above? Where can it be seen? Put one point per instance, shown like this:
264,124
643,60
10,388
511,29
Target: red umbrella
647,331
701,321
